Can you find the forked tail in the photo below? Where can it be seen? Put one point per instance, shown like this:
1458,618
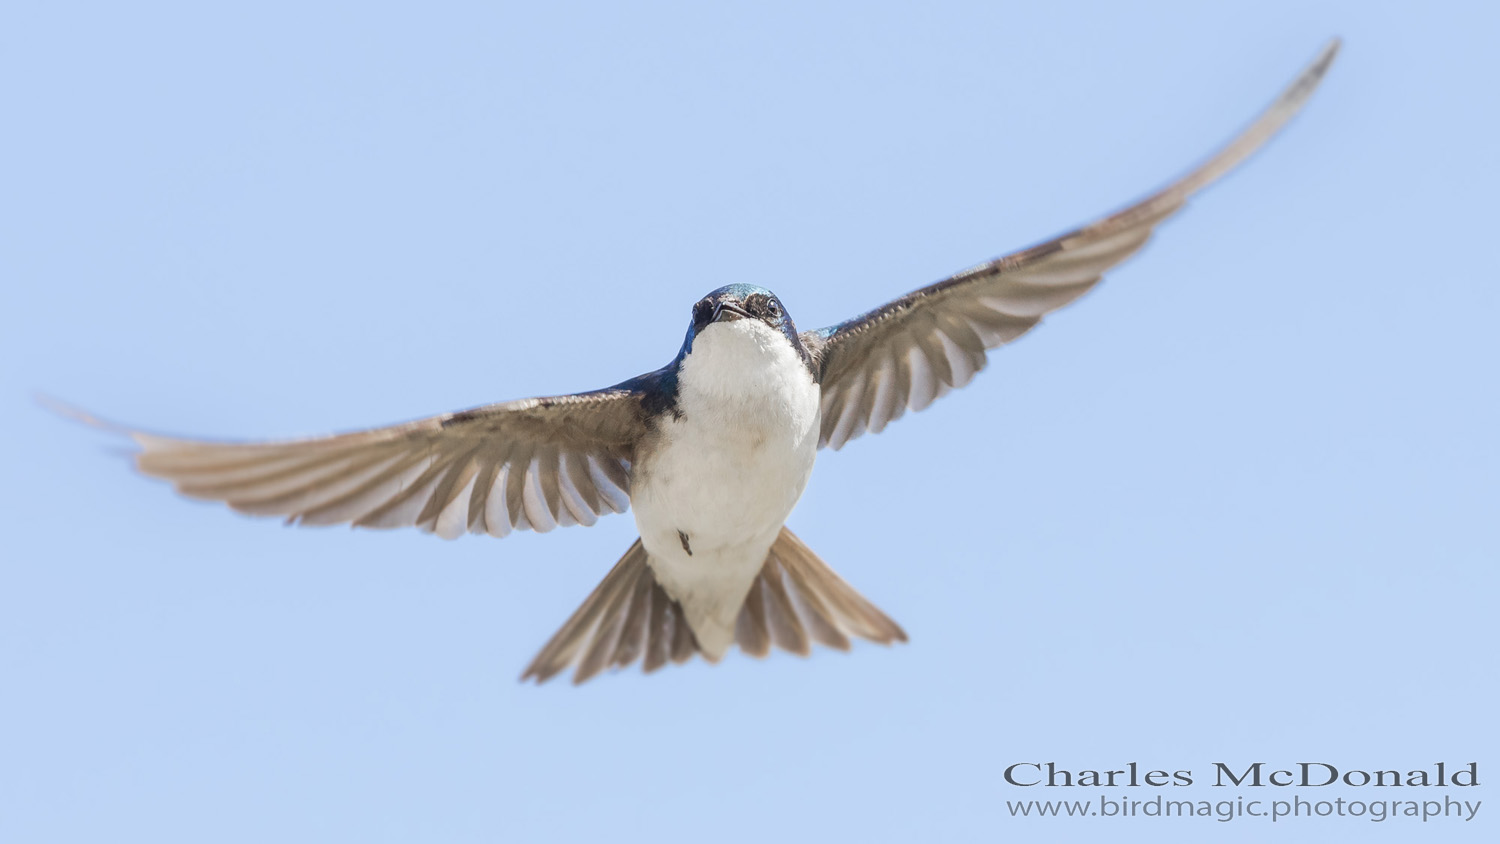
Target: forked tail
795,600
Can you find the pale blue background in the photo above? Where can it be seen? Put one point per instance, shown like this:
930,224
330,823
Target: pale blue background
1239,504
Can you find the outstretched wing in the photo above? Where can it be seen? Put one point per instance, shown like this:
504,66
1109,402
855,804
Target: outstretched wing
532,464
912,350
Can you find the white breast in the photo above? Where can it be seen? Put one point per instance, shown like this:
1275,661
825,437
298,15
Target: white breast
727,472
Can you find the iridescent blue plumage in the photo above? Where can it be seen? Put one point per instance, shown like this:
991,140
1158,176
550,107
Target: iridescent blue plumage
751,301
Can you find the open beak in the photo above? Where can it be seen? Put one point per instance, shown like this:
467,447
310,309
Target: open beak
728,311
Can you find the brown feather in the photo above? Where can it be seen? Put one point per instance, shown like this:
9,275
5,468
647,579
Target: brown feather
1025,285
408,474
750,626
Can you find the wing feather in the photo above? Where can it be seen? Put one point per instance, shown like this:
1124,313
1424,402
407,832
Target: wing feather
533,464
875,367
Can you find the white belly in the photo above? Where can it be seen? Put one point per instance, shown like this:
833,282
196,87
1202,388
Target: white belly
712,494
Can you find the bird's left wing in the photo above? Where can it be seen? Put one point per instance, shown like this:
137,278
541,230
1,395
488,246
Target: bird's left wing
910,351
532,464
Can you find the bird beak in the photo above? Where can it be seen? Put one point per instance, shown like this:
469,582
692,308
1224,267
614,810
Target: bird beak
728,311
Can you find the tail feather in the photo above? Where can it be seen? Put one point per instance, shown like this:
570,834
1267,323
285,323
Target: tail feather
795,600
797,597
627,614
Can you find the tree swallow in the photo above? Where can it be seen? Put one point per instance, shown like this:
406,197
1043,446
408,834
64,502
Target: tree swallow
712,450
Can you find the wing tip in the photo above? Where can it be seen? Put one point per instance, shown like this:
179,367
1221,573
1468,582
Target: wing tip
1330,50
74,413
1313,75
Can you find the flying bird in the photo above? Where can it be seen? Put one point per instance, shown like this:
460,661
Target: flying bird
711,451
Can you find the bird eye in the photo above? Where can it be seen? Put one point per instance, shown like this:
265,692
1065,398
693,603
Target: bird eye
772,308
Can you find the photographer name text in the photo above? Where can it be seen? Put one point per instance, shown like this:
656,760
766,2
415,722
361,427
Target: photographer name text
1246,775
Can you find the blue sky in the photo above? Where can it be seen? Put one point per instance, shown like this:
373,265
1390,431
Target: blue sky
1239,504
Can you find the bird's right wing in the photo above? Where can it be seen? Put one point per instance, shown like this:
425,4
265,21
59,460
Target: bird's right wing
910,351
532,464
